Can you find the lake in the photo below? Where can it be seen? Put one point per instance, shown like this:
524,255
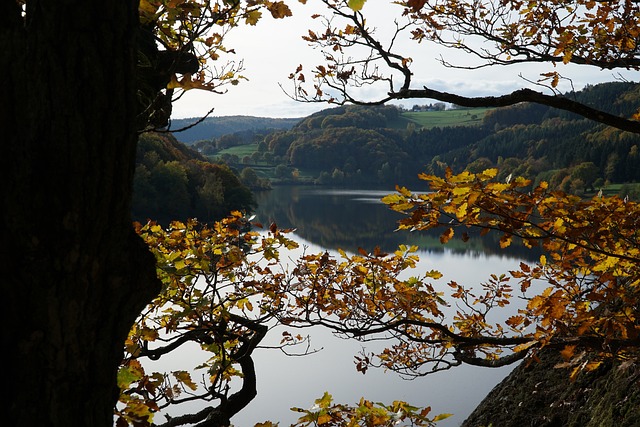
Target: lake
326,219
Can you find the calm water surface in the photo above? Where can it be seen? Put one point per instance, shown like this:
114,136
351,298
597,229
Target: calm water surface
326,219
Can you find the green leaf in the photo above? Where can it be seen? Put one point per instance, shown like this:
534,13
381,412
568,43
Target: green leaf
325,400
356,5
126,377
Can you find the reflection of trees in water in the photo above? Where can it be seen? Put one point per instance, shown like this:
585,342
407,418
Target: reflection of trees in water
344,219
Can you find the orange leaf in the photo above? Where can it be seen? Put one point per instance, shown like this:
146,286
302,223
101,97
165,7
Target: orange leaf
446,236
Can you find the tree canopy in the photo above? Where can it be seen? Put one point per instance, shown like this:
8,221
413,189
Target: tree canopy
590,33
225,286
182,46
224,289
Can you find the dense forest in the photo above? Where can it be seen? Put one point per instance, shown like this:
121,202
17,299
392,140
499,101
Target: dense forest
384,145
173,181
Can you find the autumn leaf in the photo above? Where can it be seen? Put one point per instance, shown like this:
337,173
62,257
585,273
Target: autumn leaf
568,351
325,400
323,419
505,241
525,346
416,5
185,378
253,17
129,374
446,236
279,9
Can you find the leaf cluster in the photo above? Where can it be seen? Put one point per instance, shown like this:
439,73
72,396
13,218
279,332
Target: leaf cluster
366,413
582,295
225,287
182,46
211,299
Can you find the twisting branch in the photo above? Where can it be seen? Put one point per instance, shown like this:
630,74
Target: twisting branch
220,416
517,40
524,95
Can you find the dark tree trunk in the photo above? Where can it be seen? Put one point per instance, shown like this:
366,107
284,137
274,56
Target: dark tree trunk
75,275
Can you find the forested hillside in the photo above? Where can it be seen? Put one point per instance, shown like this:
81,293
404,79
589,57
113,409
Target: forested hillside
384,145
570,152
174,182
213,127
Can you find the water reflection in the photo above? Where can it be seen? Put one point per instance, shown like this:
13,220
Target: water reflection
353,218
285,382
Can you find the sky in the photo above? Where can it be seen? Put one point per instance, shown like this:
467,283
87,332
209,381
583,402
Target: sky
273,49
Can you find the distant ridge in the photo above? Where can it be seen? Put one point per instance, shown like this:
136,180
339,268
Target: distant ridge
213,127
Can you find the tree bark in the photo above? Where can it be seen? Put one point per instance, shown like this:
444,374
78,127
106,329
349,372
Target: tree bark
75,274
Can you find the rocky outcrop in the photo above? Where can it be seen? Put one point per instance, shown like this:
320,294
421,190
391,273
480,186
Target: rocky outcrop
537,394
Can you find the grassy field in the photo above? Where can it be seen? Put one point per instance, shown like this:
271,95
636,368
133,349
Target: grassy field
622,189
263,169
430,119
240,150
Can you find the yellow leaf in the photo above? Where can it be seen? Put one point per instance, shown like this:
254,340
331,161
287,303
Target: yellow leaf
521,347
559,225
441,417
185,378
462,211
393,198
180,264
505,241
591,366
323,419
460,191
543,260
404,191
325,400
488,174
607,264
433,274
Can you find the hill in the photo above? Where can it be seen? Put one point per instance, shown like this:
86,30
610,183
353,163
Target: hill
214,127
384,145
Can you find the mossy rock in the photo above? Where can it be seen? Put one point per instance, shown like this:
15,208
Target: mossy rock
537,394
